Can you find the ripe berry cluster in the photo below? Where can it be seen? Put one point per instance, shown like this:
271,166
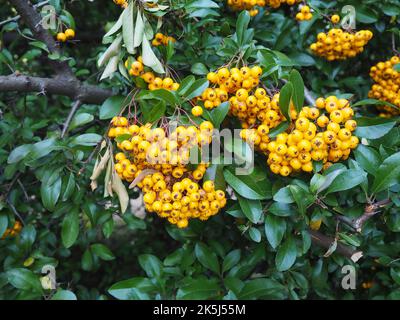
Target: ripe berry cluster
387,84
227,82
136,68
160,39
68,34
277,3
122,3
171,188
11,232
338,44
249,5
304,14
321,133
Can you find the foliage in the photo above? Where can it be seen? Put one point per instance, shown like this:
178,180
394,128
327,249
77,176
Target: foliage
261,246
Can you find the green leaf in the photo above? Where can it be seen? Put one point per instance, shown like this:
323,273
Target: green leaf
252,209
255,234
199,69
131,289
286,255
70,187
218,114
298,89
198,289
81,119
262,289
206,257
185,85
302,198
275,228
24,279
281,209
388,173
87,139
284,195
111,107
368,158
19,153
3,223
102,252
153,111
151,265
64,295
70,228
347,180
374,102
196,89
246,186
231,259
50,192
241,26
167,96
285,96
373,128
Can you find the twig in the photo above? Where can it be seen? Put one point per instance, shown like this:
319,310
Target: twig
72,88
326,242
71,114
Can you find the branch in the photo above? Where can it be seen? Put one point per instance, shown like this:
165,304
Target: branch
308,96
325,242
370,211
34,21
72,88
71,114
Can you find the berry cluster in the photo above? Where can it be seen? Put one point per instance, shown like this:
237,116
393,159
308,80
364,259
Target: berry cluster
11,232
277,3
321,133
121,3
68,34
136,68
304,14
338,44
387,84
249,5
160,39
172,188
227,82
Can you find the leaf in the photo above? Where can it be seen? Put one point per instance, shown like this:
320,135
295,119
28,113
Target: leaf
262,289
241,26
255,234
231,259
128,27
286,255
149,58
368,158
252,209
119,188
185,85
206,257
302,198
102,252
86,139
167,96
24,279
19,153
81,119
199,69
198,289
111,107
347,180
284,195
3,223
70,228
374,102
298,89
373,128
218,114
64,295
111,67
131,289
50,192
285,96
196,89
246,186
151,265
275,228
153,111
387,174
112,51
139,30
116,26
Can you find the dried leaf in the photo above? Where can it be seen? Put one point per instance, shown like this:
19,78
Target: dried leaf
100,165
121,192
141,176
